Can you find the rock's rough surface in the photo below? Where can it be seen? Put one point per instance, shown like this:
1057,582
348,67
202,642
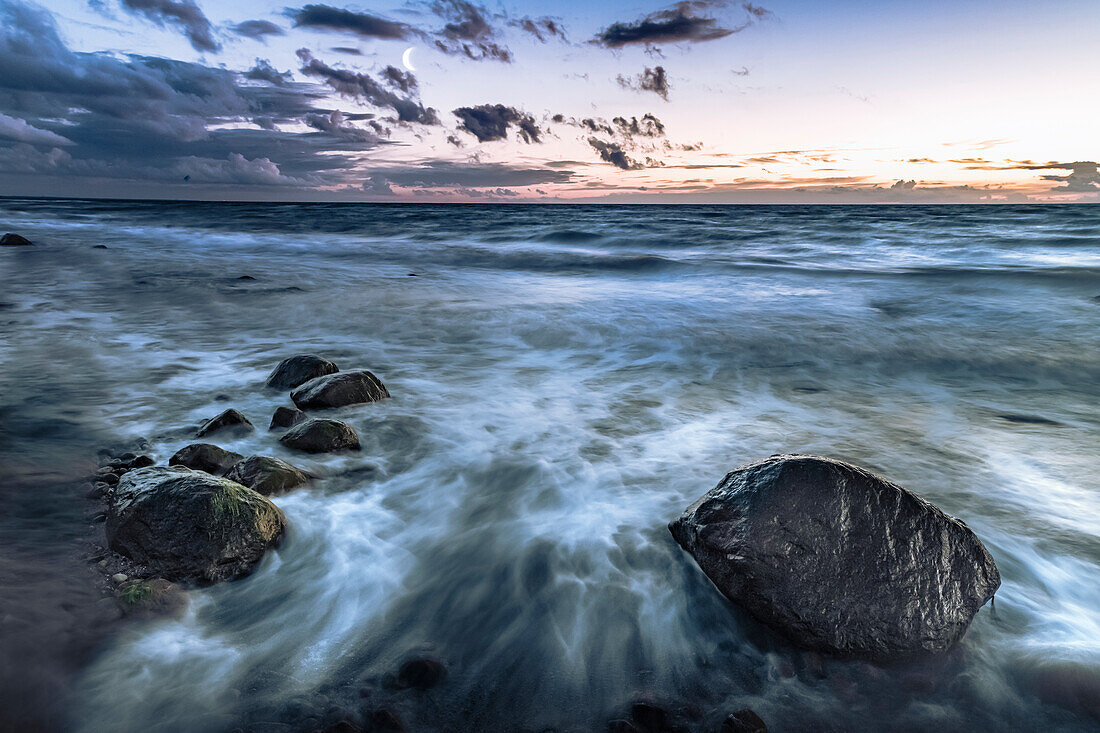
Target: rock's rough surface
338,390
268,476
299,369
231,421
286,417
190,526
14,240
838,559
205,457
321,435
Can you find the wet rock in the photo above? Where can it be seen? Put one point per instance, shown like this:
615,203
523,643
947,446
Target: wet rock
286,417
744,721
205,457
98,490
338,390
246,277
421,674
775,537
299,369
190,526
120,577
385,720
621,725
266,475
650,717
321,435
231,421
110,478
14,240
99,246
155,598
142,462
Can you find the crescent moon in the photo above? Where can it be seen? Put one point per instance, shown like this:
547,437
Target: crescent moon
406,58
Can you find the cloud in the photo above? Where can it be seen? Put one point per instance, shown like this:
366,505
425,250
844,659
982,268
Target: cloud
489,122
543,29
262,70
363,87
257,29
613,154
446,173
680,23
650,80
13,128
183,13
1083,177
235,169
468,32
325,17
403,80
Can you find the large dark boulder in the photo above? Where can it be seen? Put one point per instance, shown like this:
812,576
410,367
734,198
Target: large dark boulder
299,369
838,559
321,435
14,240
231,421
268,476
338,390
190,526
205,457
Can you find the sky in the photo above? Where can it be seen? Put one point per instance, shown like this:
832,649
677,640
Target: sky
700,101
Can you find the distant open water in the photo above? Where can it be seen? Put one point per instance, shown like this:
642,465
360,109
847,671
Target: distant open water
565,381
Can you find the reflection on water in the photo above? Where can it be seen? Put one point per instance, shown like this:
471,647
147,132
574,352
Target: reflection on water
565,381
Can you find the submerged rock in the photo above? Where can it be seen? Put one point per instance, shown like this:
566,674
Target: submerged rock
231,420
299,369
321,435
205,457
338,390
838,559
190,526
744,721
286,417
421,674
14,240
268,476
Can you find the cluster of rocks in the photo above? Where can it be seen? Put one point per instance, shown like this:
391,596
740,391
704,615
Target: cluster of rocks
206,516
647,716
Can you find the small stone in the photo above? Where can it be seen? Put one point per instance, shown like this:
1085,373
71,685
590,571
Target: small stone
102,563
286,417
339,390
421,674
205,457
142,462
385,719
99,246
744,721
99,517
231,420
14,240
648,716
246,277
266,475
120,577
97,491
108,478
299,369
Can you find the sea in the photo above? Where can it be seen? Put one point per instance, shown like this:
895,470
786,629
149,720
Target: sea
565,380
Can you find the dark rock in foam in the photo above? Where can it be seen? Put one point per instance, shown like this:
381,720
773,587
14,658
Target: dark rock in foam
286,417
268,476
190,526
744,721
299,369
838,559
338,390
14,240
231,421
321,435
205,457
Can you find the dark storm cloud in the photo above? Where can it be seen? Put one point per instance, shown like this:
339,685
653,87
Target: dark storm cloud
328,18
364,87
650,80
468,32
183,13
403,80
257,29
140,118
489,122
649,126
683,22
613,153
262,70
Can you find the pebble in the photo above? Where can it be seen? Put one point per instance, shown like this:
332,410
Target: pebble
120,577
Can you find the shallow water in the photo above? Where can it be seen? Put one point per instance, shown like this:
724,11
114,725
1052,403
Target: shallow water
565,381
